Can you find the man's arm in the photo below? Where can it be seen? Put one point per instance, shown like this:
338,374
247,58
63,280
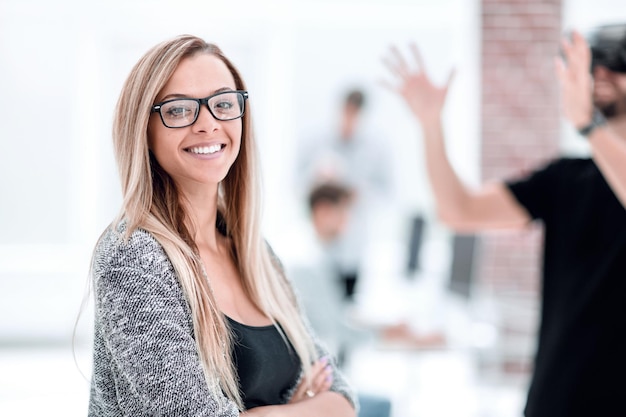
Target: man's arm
491,206
608,147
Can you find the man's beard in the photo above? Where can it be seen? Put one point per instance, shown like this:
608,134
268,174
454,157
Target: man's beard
613,109
608,110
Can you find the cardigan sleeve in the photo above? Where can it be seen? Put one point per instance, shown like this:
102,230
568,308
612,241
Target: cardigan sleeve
340,384
146,361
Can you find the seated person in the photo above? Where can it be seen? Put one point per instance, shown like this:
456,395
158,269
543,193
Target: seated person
321,291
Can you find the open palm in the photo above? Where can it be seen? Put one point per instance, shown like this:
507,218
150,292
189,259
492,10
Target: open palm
424,99
575,79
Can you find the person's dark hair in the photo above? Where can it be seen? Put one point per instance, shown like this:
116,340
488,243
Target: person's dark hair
608,46
355,98
333,193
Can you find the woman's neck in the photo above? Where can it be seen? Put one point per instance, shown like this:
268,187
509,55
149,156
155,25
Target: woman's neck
201,208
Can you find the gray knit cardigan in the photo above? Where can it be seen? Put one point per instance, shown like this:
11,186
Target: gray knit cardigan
145,360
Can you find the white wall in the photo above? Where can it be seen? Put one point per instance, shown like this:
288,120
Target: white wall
62,65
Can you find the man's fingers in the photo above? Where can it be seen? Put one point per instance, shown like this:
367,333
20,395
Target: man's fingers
576,53
566,48
401,65
418,57
580,43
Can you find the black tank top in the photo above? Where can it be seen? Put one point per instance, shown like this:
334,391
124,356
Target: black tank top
267,367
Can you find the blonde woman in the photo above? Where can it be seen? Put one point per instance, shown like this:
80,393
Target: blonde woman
193,314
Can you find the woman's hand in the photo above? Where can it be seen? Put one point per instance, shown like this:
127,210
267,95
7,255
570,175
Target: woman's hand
424,99
320,381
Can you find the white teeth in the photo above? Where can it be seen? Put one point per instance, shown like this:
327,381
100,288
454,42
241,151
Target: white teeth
204,150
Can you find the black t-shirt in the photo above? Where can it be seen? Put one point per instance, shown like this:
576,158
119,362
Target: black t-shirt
580,365
266,365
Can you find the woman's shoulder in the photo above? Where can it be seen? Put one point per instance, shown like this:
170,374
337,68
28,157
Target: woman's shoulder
118,248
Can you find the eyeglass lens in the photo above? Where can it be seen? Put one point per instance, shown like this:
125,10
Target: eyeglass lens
184,111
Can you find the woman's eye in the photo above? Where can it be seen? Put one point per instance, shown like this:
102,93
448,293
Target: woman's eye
178,112
224,105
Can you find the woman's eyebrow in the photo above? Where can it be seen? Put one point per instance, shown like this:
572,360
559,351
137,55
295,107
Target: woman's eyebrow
181,95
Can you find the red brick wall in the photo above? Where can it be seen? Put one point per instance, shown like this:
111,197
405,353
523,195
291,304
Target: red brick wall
520,122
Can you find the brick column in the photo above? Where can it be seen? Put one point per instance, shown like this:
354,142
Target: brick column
520,122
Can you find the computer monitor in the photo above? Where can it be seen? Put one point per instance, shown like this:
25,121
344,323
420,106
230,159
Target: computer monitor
415,243
463,264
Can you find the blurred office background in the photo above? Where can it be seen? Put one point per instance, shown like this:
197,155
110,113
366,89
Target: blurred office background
62,64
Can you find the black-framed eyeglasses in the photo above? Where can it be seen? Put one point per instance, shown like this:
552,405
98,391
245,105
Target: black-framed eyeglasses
183,112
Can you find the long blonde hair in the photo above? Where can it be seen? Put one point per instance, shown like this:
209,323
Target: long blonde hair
151,201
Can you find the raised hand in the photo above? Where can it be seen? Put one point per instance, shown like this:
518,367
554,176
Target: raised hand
412,82
572,70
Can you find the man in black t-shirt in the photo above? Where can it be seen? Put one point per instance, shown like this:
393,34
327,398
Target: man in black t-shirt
580,365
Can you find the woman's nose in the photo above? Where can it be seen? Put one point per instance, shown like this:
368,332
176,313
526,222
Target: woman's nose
206,122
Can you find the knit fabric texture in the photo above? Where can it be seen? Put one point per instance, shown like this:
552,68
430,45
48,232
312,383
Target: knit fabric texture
145,358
